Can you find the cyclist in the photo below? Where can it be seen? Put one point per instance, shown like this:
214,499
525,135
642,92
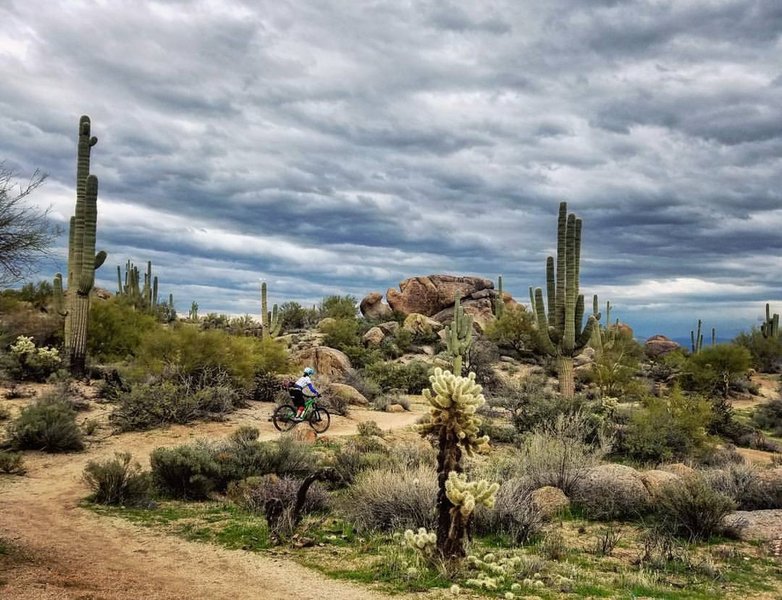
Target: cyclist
302,390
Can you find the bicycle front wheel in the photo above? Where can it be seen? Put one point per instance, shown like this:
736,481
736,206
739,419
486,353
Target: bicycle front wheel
320,419
283,417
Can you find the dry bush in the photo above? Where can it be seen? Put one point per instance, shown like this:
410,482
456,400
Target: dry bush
12,463
514,513
117,481
252,493
557,455
690,508
49,425
392,499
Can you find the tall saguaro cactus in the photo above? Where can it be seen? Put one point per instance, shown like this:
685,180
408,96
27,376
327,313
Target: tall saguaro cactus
770,327
559,332
269,319
458,335
82,260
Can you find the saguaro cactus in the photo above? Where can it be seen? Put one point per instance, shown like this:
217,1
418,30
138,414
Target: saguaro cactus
559,332
770,327
696,339
454,400
499,303
269,319
58,295
458,335
82,260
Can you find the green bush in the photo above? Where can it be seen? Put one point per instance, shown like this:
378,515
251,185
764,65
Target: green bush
614,371
12,463
715,369
185,472
341,333
161,403
338,307
690,508
766,352
31,363
769,417
515,330
391,500
410,378
293,316
529,402
189,353
665,429
116,330
49,425
117,481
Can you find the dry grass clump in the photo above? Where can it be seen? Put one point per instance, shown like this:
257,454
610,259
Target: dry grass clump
117,481
392,499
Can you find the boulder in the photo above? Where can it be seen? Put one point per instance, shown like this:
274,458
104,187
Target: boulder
658,345
585,358
374,337
550,501
680,469
756,525
623,329
395,408
612,492
305,435
326,322
431,294
655,480
348,393
481,311
326,361
419,324
373,307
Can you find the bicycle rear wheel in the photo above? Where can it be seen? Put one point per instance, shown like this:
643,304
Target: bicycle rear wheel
283,417
320,419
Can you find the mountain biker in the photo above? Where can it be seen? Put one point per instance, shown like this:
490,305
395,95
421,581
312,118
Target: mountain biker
302,390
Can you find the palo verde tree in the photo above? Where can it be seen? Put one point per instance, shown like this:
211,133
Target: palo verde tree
82,260
25,233
559,332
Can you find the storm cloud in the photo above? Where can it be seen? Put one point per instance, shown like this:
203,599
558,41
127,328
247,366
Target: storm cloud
339,147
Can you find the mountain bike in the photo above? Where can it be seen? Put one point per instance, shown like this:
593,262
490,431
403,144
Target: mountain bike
284,417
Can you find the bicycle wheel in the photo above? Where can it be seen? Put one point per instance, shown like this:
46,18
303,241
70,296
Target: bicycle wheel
283,417
320,419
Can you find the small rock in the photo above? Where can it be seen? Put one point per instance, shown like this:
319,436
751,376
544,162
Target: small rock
395,408
304,435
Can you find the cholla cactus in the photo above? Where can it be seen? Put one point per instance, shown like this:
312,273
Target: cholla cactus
423,541
467,495
454,401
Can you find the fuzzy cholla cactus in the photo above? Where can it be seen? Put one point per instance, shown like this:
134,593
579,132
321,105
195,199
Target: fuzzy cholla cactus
423,541
466,495
454,401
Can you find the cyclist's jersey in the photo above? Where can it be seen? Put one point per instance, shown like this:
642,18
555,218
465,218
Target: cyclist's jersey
304,383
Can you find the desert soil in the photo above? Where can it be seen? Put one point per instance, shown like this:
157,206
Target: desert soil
65,551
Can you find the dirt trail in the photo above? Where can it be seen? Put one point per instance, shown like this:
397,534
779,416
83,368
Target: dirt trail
76,554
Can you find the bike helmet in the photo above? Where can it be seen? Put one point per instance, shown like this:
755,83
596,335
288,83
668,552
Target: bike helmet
309,371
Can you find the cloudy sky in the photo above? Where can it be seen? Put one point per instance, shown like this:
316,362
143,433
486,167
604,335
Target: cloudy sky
336,147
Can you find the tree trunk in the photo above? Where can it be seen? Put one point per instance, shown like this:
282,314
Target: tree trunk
567,385
450,539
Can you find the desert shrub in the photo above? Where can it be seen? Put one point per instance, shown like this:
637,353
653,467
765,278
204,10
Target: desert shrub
38,294
5,414
252,493
514,329
391,499
366,387
369,429
715,369
611,492
411,378
117,481
265,387
665,429
189,353
556,454
336,403
765,352
165,402
690,508
12,463
401,342
116,329
187,472
383,401
338,307
746,486
293,315
768,416
49,425
613,371
514,514
481,358
499,432
341,333
31,363
668,367
529,402
553,545
19,319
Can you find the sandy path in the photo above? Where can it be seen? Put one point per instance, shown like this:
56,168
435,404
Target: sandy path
76,554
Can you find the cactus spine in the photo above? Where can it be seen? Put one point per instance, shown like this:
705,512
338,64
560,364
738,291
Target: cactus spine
458,335
82,259
269,319
454,400
559,329
770,327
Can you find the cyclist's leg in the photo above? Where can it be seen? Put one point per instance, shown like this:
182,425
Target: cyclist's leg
298,401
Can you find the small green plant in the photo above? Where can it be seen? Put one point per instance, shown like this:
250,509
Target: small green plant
369,429
410,378
607,540
117,481
49,425
768,416
690,508
553,545
12,463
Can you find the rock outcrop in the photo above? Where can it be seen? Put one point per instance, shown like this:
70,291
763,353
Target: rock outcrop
431,294
326,361
658,345
612,491
373,307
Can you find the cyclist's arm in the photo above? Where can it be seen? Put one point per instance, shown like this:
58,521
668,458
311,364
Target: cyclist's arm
312,389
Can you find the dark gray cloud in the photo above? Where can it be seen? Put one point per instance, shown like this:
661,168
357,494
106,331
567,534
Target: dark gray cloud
329,149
